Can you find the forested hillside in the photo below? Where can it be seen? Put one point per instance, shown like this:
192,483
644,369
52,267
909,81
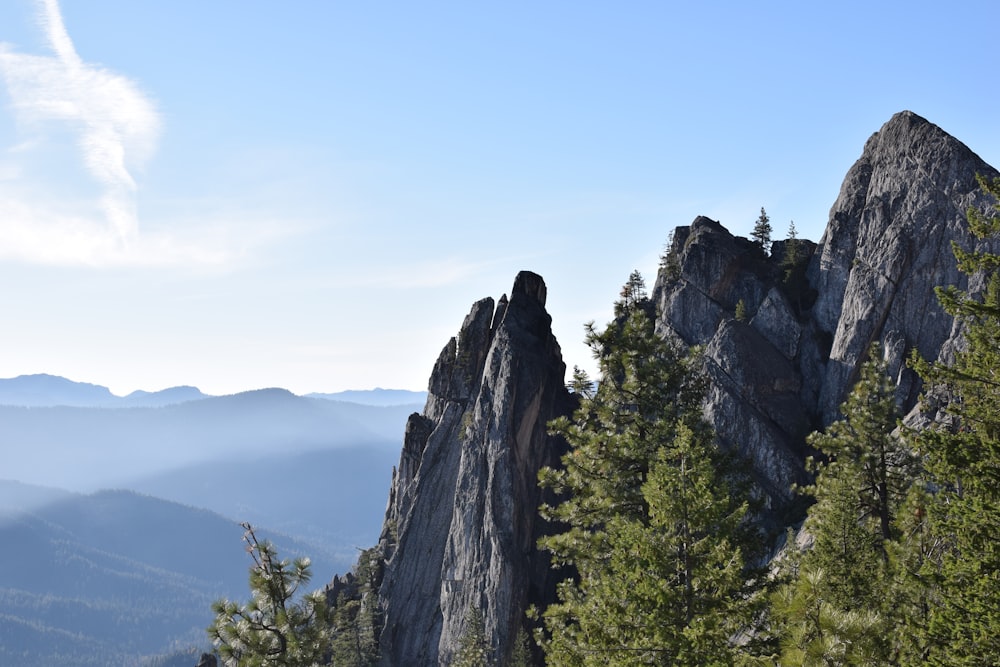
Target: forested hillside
108,578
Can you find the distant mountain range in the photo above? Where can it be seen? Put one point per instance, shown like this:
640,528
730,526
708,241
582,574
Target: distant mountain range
333,500
42,390
105,578
383,397
318,469
96,577
87,448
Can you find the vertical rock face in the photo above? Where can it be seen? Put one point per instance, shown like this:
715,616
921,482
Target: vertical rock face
754,394
871,278
887,245
461,523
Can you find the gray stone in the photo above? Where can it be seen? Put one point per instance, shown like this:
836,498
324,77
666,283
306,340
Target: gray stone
777,323
462,519
887,245
870,279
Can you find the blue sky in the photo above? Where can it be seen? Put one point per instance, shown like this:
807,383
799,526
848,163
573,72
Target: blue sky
311,195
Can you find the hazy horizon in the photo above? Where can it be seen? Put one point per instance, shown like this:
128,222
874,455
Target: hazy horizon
311,197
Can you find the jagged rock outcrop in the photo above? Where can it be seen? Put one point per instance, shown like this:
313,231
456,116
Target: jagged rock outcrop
887,245
461,523
462,519
753,399
871,278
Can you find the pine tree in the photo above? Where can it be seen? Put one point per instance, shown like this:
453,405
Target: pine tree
741,311
837,597
473,647
354,624
914,557
818,632
272,629
964,464
761,234
633,293
794,282
876,463
654,529
792,249
521,655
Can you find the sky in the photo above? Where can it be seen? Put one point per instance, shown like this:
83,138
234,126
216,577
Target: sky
311,195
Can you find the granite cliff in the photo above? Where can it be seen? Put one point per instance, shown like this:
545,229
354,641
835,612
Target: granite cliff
461,522
462,518
785,370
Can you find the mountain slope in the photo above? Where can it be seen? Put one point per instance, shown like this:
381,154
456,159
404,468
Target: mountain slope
105,578
43,389
332,499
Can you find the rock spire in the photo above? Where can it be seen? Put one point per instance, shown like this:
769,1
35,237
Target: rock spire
462,518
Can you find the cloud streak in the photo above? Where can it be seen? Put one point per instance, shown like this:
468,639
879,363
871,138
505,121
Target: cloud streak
116,126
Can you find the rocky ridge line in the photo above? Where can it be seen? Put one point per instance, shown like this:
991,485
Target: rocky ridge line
871,278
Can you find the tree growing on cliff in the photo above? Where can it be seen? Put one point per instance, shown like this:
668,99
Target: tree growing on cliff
835,608
272,629
473,647
633,293
653,525
792,249
963,459
761,234
354,616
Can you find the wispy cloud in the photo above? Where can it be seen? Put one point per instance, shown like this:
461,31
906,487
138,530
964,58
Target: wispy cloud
116,128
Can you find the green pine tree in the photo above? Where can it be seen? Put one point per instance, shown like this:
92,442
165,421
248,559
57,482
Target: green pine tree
877,465
741,311
632,293
792,249
654,529
914,557
963,459
836,599
473,646
761,234
272,629
818,633
521,655
354,643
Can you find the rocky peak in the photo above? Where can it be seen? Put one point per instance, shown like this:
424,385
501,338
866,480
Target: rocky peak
886,246
462,519
789,365
754,394
461,523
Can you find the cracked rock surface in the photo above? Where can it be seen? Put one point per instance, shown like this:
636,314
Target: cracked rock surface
462,523
462,519
871,278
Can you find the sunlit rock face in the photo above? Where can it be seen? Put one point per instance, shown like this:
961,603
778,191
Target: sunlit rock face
462,519
786,368
755,391
888,244
461,523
